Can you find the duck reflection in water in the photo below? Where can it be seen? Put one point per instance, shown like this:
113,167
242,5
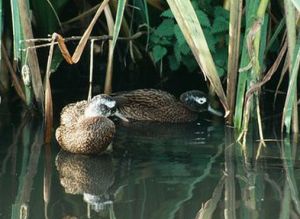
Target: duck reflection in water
90,176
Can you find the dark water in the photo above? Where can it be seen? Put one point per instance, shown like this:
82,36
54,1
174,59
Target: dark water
155,171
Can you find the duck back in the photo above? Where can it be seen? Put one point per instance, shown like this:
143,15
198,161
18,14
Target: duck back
153,105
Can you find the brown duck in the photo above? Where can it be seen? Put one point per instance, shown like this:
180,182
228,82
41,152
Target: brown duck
84,126
161,106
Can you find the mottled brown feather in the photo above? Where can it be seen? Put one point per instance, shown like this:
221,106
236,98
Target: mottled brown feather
153,105
78,134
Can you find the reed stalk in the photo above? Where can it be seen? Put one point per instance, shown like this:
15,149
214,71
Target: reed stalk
91,70
109,68
33,64
47,178
20,208
244,71
48,95
229,192
291,36
233,53
114,30
288,163
285,202
256,45
209,207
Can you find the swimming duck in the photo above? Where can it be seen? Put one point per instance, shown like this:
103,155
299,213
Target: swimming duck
161,106
84,126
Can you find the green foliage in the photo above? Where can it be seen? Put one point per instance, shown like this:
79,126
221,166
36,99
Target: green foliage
47,15
159,52
167,40
17,30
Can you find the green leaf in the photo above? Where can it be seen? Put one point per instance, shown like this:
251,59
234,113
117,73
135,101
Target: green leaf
46,15
158,53
154,38
165,41
173,63
178,34
142,10
185,49
189,63
291,94
167,13
221,12
195,5
219,62
188,22
220,71
177,52
166,28
59,4
17,30
56,59
220,24
203,18
210,39
274,36
143,13
118,21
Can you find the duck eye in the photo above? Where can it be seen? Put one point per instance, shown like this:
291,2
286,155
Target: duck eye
201,100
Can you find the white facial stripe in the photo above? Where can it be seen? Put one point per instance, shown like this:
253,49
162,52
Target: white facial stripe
109,103
200,100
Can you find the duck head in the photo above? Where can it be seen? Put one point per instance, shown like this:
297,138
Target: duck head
102,105
197,101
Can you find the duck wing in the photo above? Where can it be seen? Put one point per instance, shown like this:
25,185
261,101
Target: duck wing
71,112
152,105
151,98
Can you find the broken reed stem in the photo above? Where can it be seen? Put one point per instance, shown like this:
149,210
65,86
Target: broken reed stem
76,38
81,45
48,95
91,70
103,37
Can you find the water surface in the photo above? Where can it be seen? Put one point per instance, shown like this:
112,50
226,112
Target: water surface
155,171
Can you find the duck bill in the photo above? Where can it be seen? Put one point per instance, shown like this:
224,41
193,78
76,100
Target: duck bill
119,115
214,111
